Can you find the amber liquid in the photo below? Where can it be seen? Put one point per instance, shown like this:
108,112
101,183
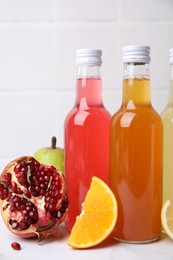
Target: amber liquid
136,165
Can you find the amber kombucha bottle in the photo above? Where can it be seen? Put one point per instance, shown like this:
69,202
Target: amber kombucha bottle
136,153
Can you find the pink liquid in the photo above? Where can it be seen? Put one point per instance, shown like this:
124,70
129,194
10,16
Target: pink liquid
86,145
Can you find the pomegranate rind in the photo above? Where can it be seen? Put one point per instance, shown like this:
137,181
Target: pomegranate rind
46,223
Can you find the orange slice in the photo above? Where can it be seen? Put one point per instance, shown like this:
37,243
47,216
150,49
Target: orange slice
98,216
167,218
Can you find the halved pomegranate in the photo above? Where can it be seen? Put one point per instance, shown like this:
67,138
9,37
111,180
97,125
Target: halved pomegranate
33,198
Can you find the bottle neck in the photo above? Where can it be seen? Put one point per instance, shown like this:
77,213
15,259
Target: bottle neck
136,85
170,100
89,87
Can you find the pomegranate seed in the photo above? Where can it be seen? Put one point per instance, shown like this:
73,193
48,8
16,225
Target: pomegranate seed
42,167
35,194
53,188
16,198
14,224
51,207
23,201
52,168
12,208
6,206
19,191
38,174
7,179
28,208
3,192
27,193
43,186
42,192
7,176
32,188
25,212
17,168
48,173
47,199
24,224
21,166
31,214
22,207
15,246
37,188
23,169
13,186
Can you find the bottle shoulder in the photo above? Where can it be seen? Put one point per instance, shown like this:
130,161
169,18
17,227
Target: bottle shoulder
143,115
78,116
167,112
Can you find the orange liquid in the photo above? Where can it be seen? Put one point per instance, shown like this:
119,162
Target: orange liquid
136,165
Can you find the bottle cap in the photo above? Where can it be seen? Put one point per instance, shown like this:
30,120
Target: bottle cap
171,56
136,53
89,57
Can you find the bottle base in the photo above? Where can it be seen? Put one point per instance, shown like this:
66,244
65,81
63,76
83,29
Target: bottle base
137,242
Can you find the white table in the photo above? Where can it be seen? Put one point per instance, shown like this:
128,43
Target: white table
59,250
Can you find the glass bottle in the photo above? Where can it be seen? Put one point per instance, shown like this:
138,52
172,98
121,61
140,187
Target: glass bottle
167,118
86,133
136,153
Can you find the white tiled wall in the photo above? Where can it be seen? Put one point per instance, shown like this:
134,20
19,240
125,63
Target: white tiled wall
38,40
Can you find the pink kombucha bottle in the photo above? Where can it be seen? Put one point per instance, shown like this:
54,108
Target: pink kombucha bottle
86,133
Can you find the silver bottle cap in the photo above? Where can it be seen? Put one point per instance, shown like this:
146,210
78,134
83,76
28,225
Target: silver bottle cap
136,53
89,57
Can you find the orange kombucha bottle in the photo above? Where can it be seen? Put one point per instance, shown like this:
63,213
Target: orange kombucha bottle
136,154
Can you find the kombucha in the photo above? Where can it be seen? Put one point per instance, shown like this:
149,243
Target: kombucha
167,118
136,161
86,141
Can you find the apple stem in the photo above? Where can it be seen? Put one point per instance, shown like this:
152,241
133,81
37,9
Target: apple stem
53,144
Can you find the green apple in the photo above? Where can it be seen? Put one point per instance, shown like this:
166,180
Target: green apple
52,156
